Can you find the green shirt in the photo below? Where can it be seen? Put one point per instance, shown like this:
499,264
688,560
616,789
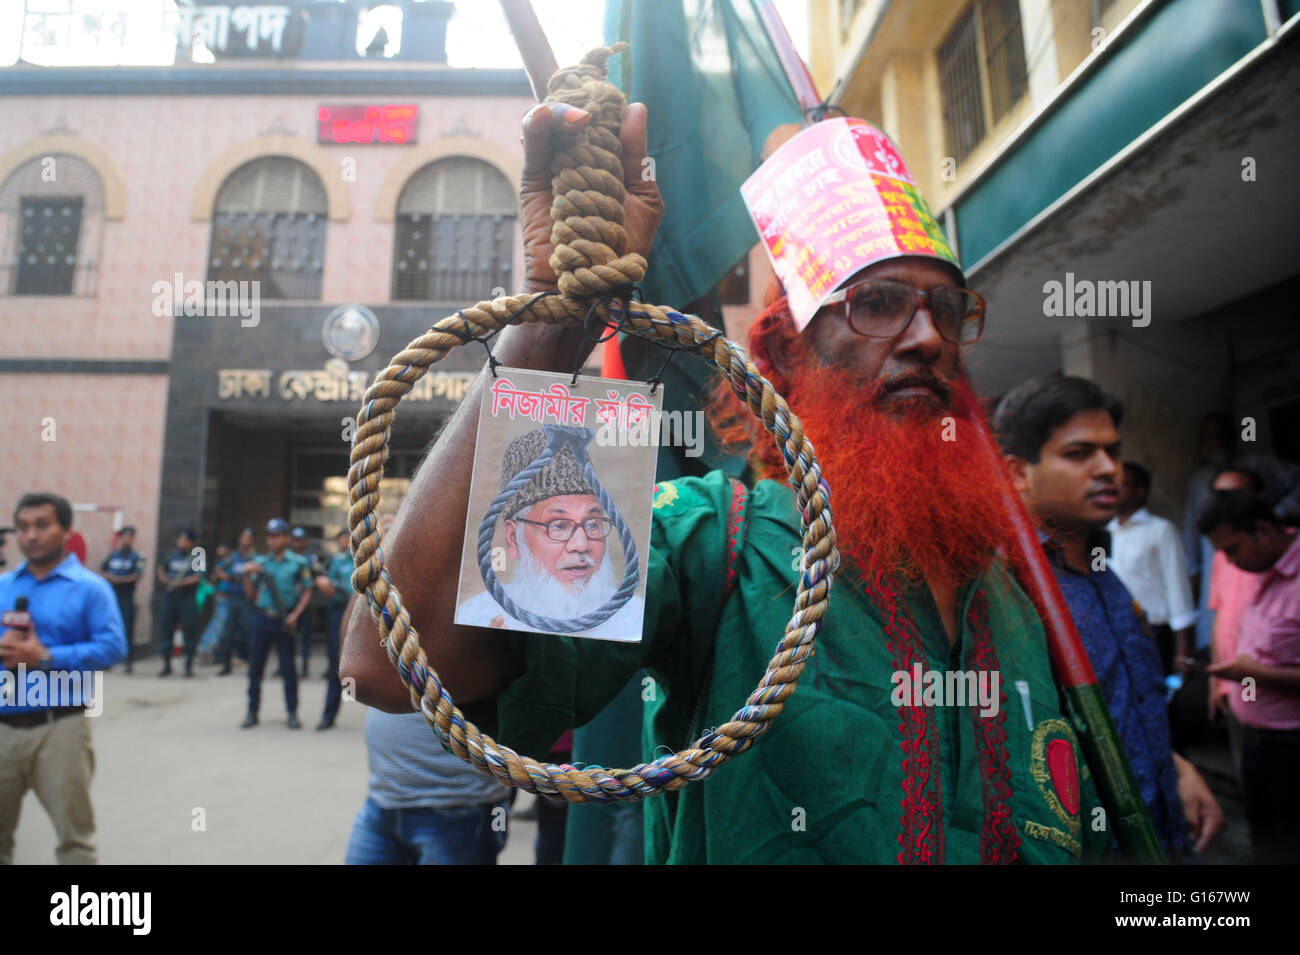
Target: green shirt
291,575
831,781
340,574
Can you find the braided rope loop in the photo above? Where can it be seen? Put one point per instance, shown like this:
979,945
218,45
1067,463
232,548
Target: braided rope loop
593,266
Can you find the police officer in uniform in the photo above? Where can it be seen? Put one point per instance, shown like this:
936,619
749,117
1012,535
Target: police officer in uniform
239,618
180,578
123,569
336,584
298,544
280,585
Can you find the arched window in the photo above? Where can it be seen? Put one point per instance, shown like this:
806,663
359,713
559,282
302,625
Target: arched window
455,233
51,226
268,226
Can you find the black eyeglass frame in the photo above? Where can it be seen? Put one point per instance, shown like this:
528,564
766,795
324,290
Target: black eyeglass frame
845,297
605,521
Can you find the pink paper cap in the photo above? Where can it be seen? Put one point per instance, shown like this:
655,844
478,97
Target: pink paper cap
833,200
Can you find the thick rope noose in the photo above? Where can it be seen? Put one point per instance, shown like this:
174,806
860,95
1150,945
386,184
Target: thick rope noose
576,440
594,266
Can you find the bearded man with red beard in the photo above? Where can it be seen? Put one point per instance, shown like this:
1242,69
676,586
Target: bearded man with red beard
926,728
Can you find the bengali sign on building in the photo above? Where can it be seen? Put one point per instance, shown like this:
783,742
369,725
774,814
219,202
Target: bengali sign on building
833,200
332,384
249,30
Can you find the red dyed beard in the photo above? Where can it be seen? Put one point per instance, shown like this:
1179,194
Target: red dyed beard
906,503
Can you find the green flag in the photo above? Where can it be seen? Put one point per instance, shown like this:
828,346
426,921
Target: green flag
714,90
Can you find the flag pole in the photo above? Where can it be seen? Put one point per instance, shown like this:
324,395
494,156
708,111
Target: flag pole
796,71
1118,788
534,48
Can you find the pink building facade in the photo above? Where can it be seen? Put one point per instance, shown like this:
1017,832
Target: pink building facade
119,187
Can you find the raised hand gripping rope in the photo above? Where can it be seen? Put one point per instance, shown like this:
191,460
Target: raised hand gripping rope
594,266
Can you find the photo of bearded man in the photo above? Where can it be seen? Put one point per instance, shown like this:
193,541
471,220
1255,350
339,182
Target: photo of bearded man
561,550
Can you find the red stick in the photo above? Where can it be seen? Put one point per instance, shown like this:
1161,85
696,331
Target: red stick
801,81
1069,659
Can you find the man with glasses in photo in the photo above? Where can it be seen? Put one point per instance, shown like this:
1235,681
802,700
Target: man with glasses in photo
556,545
844,774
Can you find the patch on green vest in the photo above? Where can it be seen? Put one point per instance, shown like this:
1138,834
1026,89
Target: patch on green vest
1053,765
665,495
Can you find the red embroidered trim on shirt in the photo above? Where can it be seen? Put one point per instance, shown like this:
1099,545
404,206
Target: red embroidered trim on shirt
999,841
921,835
738,494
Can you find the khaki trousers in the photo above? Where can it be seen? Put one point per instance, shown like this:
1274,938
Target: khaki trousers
57,761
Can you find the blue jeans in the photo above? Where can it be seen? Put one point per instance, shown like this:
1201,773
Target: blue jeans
210,642
463,836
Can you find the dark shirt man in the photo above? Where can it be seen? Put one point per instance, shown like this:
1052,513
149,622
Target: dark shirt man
178,575
1060,441
75,628
123,569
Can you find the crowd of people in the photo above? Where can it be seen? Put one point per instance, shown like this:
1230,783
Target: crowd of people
1061,439
931,574
933,570
255,604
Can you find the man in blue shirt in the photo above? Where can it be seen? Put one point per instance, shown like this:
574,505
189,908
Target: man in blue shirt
72,628
1059,437
280,586
178,575
123,569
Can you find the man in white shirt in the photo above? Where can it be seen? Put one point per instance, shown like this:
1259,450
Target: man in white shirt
1147,554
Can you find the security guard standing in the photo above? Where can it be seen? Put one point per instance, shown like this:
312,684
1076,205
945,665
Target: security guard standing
336,584
298,544
280,585
239,619
123,569
180,578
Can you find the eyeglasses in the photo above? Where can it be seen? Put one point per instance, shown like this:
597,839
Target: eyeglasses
884,309
561,530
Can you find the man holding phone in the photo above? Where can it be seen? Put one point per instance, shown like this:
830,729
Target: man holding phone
280,585
1265,667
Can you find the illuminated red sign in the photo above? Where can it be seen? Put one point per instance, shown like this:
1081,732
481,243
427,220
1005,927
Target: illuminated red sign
366,124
